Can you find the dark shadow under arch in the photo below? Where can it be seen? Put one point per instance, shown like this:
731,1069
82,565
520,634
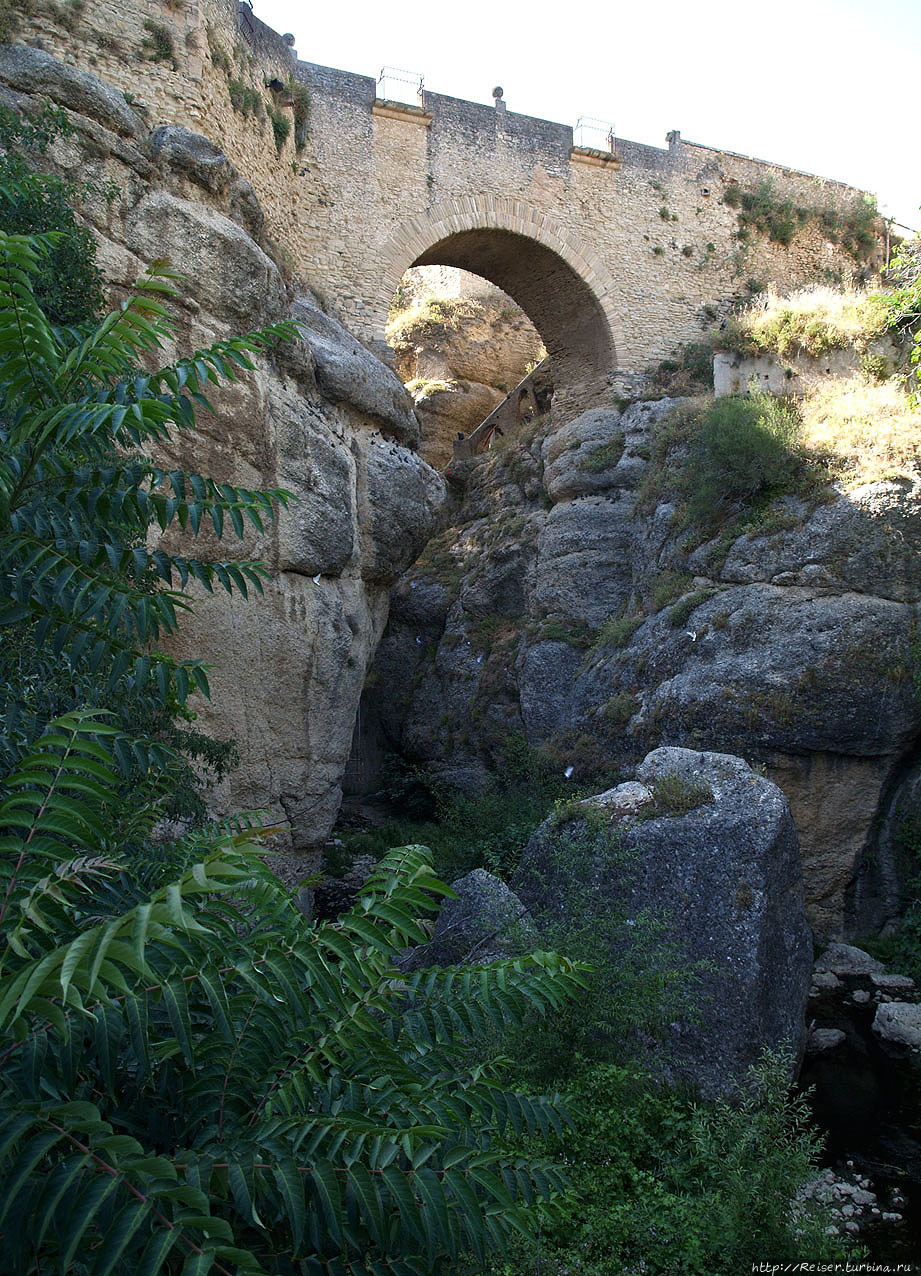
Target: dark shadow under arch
564,310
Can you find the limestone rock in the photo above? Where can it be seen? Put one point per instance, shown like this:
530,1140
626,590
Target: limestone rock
794,649
36,72
583,558
348,373
226,271
402,496
318,534
900,1023
725,879
193,155
844,960
889,982
867,541
486,922
286,677
582,458
822,1040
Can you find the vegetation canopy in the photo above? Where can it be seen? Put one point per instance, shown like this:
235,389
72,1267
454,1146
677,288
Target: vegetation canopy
192,1078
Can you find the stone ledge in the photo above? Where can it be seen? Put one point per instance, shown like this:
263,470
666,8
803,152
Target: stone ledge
401,111
600,159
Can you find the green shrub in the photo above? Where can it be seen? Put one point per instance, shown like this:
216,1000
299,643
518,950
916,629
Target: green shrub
746,448
67,283
617,631
639,980
811,321
620,708
281,127
676,794
688,373
488,829
778,217
159,43
300,96
664,1185
245,99
681,613
667,587
604,457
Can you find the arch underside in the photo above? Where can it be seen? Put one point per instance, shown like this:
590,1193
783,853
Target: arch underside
562,308
557,281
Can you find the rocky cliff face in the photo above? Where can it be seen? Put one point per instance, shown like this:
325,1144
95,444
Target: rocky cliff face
322,418
567,603
459,357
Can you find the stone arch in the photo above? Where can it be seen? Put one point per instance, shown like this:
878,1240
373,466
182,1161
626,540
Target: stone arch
559,282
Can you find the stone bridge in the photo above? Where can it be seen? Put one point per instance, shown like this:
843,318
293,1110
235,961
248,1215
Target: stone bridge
616,255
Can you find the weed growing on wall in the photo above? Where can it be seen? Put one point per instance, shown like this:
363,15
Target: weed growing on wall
281,127
762,209
245,99
689,372
300,97
159,44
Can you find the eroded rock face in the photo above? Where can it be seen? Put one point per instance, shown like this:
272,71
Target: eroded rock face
320,417
460,367
567,605
724,879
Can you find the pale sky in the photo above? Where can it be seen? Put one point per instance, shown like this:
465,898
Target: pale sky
828,86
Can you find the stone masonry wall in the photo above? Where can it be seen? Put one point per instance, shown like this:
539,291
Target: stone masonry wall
374,187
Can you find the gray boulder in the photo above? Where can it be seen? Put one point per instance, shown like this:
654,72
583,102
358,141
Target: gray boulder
583,558
868,541
400,499
822,1040
899,1022
192,155
845,959
348,373
486,922
34,71
227,272
723,879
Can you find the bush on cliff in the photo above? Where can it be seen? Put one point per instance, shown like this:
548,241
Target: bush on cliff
668,1186
745,449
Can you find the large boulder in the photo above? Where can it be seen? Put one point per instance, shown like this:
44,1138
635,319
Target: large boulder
346,372
33,71
899,1022
484,922
724,880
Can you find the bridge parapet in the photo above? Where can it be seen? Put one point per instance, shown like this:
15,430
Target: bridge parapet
619,260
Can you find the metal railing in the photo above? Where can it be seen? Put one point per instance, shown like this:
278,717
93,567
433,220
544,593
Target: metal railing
595,135
395,85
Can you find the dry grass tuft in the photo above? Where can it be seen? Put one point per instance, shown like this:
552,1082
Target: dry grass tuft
811,321
862,432
431,314
422,387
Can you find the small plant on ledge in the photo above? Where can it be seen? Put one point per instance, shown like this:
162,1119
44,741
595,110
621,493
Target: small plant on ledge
281,127
159,44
